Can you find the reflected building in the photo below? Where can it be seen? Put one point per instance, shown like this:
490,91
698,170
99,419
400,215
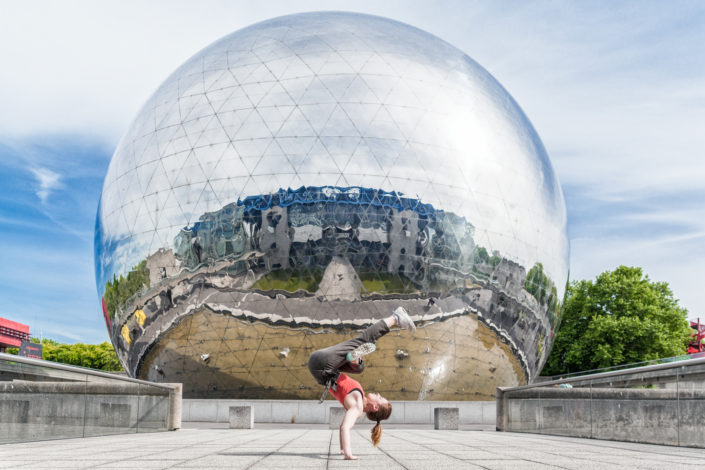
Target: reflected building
299,179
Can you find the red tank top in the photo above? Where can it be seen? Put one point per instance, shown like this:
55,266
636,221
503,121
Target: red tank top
345,386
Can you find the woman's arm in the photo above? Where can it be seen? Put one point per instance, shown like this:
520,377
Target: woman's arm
340,438
351,416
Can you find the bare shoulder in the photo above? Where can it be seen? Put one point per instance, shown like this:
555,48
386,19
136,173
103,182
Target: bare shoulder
353,401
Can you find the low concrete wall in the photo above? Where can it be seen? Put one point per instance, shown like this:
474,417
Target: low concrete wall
32,411
656,416
311,412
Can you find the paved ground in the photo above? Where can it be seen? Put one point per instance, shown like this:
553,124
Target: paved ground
310,446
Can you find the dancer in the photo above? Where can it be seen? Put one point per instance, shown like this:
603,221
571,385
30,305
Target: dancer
327,367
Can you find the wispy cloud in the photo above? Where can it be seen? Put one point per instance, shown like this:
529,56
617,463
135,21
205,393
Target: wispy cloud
47,181
673,259
50,286
47,218
614,89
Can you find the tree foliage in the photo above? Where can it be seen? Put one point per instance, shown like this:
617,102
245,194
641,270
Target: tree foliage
541,287
620,318
481,256
119,290
94,356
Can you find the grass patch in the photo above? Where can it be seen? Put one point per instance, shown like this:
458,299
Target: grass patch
289,280
385,283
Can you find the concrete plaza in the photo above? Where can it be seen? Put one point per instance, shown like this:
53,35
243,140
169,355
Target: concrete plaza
315,446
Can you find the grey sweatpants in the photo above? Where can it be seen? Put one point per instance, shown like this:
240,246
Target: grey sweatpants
326,363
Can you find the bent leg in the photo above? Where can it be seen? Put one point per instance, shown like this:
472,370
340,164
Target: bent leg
337,354
373,333
353,367
317,366
325,363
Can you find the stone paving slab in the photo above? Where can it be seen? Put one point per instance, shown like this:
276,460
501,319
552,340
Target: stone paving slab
314,447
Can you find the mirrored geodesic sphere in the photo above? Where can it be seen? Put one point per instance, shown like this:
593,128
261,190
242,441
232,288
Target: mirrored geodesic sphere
300,178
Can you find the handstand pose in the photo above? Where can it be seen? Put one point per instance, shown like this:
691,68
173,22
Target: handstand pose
326,366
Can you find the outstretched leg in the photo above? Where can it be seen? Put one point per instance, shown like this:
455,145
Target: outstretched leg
325,363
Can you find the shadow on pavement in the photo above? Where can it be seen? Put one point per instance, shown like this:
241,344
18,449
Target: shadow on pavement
268,454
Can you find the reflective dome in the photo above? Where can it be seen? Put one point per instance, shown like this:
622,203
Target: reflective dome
298,179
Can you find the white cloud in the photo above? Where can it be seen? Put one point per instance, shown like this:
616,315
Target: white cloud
47,181
80,66
613,89
694,218
676,260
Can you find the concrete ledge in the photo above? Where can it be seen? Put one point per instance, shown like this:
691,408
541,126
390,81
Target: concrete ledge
311,412
336,417
446,418
175,407
654,416
605,393
242,417
52,410
88,388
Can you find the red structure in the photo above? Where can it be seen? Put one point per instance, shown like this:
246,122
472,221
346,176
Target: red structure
697,337
12,334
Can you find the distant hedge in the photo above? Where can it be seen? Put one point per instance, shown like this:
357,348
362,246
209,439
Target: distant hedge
94,356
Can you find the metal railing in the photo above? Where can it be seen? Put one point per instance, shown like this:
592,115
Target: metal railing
659,403
46,400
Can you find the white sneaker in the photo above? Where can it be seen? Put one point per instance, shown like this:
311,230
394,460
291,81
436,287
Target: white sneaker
404,320
362,350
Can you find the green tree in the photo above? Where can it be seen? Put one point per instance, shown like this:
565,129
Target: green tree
620,318
541,287
44,342
119,290
94,356
481,255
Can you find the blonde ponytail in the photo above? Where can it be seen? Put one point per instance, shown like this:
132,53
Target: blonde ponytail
383,412
376,434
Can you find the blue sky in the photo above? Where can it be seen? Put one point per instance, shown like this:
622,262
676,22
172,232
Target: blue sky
615,90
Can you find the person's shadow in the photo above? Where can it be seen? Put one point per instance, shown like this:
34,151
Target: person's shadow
318,456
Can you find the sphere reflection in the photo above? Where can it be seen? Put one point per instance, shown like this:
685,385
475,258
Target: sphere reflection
299,179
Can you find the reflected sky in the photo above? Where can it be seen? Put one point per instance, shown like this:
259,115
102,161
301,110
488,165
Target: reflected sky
338,99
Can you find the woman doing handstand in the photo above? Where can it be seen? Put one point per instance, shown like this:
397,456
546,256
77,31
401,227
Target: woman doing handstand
327,367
